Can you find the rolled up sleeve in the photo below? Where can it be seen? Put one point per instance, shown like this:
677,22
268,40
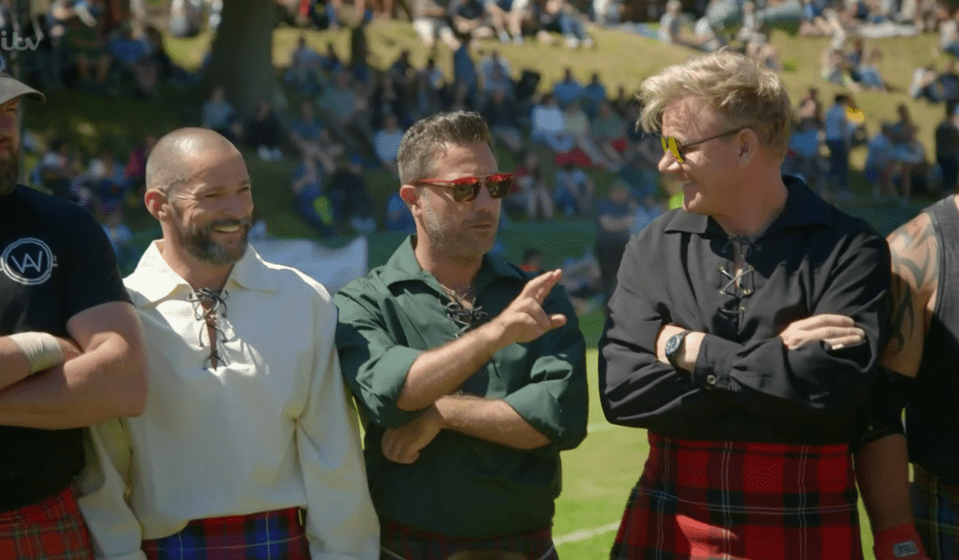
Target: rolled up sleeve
374,366
555,402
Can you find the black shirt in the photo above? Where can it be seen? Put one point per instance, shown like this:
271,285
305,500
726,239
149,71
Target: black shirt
56,262
746,385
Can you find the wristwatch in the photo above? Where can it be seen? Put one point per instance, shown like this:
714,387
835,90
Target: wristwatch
674,346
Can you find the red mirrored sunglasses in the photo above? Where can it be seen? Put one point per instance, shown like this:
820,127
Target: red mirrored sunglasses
466,189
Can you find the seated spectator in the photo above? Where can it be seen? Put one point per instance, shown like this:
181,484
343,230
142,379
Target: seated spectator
311,138
506,18
868,71
547,125
835,69
132,56
305,71
503,119
560,16
574,190
948,82
470,20
814,20
670,25
387,143
622,102
925,85
351,204
593,95
106,176
431,21
608,131
309,202
219,115
83,40
567,90
530,193
263,132
949,31
398,215
615,214
705,37
760,49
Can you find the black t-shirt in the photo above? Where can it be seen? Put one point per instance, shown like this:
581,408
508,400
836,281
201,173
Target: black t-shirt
56,261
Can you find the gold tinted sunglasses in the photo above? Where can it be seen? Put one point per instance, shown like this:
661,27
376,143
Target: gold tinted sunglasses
673,146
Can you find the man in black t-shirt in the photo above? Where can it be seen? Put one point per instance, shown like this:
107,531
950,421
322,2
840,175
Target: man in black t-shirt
71,352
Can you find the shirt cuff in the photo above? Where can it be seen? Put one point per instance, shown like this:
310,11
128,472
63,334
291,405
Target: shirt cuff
387,386
714,362
538,407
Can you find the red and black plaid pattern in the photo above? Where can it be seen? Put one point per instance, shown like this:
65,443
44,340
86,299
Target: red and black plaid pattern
50,530
271,535
935,507
727,500
403,543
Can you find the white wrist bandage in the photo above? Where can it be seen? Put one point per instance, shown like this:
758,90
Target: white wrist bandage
41,349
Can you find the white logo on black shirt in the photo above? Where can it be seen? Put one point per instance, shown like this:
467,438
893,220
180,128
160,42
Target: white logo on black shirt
28,261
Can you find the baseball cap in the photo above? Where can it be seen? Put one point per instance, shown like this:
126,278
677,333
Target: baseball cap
11,87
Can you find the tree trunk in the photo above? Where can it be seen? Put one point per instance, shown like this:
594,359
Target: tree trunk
242,53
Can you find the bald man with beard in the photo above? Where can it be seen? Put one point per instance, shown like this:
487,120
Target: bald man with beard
248,447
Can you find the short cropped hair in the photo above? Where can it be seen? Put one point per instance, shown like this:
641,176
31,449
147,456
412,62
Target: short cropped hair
735,87
423,142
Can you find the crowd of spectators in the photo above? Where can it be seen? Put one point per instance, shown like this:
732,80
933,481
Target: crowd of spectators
339,119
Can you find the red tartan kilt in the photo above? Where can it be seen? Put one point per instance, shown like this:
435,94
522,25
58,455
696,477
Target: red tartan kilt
737,501
258,536
50,530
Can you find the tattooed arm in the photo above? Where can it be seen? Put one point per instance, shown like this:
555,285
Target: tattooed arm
882,468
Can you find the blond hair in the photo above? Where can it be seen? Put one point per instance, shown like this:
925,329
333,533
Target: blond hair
736,88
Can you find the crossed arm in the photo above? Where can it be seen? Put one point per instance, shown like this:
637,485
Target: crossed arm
426,402
103,375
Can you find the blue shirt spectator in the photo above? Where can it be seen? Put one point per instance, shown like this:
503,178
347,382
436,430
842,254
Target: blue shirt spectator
567,90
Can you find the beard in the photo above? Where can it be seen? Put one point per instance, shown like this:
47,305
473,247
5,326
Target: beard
451,241
198,241
9,174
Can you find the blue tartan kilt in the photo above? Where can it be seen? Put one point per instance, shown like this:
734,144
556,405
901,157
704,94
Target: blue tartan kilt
935,507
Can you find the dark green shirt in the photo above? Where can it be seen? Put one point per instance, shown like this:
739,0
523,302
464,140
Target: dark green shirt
461,486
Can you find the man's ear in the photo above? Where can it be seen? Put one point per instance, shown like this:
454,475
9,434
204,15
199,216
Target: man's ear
748,146
410,195
156,202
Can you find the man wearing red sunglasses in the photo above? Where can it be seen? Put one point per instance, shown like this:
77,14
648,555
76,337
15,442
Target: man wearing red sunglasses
744,335
470,372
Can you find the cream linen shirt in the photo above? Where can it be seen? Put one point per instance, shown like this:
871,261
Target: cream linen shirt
272,429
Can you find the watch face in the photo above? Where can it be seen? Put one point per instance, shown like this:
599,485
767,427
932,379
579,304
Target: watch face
673,344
